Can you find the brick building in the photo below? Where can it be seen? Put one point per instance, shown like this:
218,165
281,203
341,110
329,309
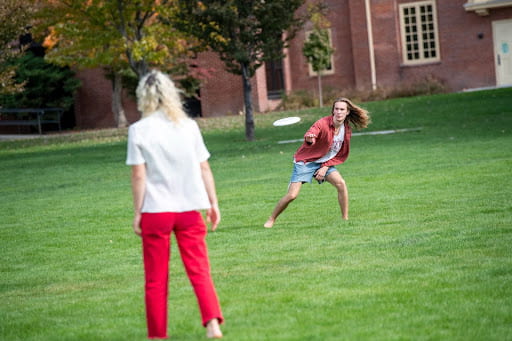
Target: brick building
378,43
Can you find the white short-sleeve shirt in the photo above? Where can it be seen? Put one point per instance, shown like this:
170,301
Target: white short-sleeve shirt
172,153
335,147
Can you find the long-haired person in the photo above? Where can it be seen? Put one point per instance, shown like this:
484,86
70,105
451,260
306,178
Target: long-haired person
326,144
171,182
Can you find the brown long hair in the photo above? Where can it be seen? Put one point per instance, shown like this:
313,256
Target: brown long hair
357,117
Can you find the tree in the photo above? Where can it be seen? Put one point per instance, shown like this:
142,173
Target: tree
317,48
124,37
46,85
14,18
245,34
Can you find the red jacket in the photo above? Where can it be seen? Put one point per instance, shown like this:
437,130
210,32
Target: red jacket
324,130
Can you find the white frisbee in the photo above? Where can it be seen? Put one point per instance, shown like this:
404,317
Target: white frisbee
286,121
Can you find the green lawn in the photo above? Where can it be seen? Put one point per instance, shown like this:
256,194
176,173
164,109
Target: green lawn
426,254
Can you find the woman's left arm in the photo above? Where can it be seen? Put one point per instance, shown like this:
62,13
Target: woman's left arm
213,213
138,189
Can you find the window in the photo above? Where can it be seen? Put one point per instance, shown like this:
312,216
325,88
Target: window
418,26
330,69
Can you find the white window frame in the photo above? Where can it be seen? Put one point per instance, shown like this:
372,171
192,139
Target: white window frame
414,52
324,72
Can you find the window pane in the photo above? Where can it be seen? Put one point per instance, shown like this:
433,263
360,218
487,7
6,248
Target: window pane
419,30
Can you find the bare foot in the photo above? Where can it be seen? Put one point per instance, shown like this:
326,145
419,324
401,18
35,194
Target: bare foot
213,330
269,223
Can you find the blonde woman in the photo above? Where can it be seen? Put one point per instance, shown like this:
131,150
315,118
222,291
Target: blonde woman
326,144
171,182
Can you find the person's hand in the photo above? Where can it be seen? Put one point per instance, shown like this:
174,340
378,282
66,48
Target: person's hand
213,217
320,173
310,139
136,224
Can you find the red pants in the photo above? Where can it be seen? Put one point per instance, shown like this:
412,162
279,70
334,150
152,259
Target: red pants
190,231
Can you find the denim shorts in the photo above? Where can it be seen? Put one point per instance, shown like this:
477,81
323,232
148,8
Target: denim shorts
304,172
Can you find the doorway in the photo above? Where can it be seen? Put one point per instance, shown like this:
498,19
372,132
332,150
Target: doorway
502,34
275,78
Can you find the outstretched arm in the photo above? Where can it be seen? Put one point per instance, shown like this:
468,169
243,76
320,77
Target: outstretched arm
312,134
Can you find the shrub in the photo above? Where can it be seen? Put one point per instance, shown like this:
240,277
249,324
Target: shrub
300,99
426,86
47,85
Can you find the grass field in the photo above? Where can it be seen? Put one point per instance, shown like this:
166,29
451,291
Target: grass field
426,254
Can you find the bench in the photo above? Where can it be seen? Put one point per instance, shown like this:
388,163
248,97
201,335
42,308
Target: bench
31,117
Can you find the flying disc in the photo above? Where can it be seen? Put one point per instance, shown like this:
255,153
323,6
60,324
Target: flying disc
286,121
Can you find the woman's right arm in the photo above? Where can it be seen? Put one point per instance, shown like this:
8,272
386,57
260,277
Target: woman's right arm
138,189
313,132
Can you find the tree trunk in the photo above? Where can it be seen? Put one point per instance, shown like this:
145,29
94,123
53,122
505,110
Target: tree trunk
141,68
117,104
249,119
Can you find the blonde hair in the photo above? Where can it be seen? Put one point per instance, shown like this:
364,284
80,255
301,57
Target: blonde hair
156,91
358,117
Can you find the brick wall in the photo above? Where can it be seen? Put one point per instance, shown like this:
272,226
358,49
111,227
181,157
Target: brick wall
467,58
466,47
222,93
465,41
93,102
344,76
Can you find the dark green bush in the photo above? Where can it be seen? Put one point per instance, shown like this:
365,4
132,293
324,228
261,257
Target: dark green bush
47,85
